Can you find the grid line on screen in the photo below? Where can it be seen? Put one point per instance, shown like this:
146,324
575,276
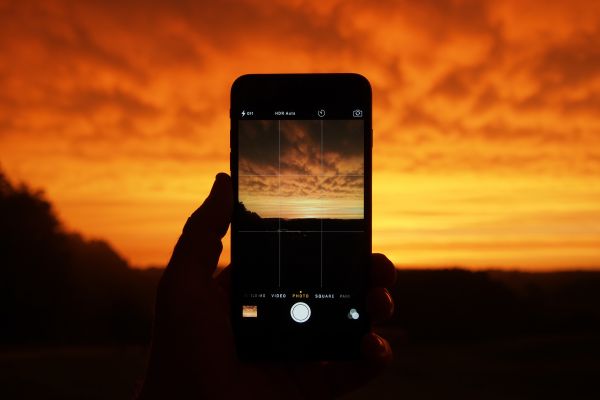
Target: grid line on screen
321,203
279,197
297,231
294,175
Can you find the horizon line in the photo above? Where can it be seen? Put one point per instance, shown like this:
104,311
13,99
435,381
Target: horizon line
574,269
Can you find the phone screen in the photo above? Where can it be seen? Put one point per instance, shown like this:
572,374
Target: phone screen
301,232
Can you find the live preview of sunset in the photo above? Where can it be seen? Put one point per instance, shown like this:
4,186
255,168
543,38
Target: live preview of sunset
486,127
302,168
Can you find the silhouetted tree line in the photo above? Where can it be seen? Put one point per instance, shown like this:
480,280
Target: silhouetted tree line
455,304
57,287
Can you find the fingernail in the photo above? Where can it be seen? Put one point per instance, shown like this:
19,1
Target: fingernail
390,303
374,345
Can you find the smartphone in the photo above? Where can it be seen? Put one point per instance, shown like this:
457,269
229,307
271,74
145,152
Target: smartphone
301,228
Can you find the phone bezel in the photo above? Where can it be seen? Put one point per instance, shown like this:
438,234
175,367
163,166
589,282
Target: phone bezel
289,91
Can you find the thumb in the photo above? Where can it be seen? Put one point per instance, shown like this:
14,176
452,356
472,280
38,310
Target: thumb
214,215
199,246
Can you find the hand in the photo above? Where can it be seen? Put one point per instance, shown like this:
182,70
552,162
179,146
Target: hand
193,353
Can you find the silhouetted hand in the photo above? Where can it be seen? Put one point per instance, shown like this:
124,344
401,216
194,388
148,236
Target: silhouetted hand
193,354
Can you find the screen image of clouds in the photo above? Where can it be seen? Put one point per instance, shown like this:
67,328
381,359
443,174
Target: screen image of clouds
302,169
301,204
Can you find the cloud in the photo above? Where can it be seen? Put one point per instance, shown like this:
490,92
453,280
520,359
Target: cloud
301,147
296,168
300,151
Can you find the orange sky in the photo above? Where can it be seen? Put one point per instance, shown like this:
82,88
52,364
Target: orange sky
487,130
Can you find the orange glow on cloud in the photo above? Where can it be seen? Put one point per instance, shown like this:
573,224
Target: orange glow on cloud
487,131
302,169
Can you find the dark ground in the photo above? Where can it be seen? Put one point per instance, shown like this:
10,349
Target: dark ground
456,334
75,320
535,367
530,367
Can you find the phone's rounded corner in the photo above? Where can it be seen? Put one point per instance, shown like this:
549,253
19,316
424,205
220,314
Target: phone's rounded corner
362,80
239,82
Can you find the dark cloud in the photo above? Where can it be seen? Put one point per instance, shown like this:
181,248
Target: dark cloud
299,186
587,105
566,77
343,186
343,147
91,100
255,185
572,63
455,85
297,167
486,100
301,147
258,143
415,115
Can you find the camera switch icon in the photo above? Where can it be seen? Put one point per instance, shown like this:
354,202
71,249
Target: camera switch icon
353,314
357,113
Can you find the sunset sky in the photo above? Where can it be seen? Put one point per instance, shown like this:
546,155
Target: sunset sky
302,168
486,123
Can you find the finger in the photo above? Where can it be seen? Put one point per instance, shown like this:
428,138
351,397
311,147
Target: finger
199,246
380,304
223,283
383,272
376,349
223,279
214,215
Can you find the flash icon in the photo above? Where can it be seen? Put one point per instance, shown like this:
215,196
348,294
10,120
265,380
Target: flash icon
243,113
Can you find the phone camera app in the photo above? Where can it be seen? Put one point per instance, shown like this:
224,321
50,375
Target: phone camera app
300,212
357,113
